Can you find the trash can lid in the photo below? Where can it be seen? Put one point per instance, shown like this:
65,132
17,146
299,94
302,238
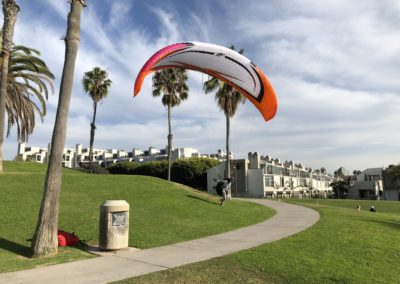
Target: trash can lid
115,203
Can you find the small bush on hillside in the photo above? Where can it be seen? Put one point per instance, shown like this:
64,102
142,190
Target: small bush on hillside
192,172
92,169
122,168
155,169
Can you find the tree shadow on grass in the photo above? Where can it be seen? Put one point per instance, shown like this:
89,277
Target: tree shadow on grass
391,224
202,199
15,248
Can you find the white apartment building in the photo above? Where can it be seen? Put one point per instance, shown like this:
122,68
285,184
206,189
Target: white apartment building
36,154
73,157
367,185
374,184
260,176
182,153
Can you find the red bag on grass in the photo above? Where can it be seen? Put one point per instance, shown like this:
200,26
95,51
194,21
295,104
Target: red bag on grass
67,239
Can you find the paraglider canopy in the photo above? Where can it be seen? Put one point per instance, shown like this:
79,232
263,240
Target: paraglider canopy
220,62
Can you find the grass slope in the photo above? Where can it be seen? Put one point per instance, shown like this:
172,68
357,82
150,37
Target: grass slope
345,246
160,212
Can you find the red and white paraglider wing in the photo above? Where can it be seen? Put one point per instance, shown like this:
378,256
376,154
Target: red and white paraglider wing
220,62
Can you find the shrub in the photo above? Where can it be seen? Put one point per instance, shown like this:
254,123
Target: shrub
192,172
156,169
93,169
122,168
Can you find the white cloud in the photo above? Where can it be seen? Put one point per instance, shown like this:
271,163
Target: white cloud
334,65
168,28
119,11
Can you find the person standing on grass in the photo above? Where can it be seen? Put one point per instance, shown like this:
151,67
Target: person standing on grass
223,188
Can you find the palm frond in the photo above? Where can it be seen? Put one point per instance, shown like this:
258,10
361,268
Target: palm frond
29,79
172,85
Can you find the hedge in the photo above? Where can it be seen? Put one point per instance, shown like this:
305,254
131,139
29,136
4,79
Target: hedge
192,172
122,168
93,168
156,169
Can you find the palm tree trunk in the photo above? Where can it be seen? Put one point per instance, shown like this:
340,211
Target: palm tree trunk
228,162
169,150
45,238
10,12
92,130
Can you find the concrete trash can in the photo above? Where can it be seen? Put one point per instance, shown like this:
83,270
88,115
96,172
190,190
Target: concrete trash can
114,225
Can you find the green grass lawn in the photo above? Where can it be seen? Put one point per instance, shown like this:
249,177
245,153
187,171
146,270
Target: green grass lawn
345,246
160,212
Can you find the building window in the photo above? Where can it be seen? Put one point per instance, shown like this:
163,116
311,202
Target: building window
38,158
304,174
269,181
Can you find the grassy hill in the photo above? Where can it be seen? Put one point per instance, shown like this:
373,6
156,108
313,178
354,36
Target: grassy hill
345,246
160,212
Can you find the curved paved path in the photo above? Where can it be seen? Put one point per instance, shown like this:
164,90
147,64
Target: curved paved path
288,220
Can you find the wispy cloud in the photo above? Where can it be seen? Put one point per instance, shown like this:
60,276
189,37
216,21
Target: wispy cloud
119,11
334,65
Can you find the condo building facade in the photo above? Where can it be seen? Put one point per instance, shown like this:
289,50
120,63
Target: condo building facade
262,176
74,157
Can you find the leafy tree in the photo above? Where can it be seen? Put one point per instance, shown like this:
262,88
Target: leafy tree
394,173
171,83
45,238
340,188
228,100
10,12
96,84
290,187
309,186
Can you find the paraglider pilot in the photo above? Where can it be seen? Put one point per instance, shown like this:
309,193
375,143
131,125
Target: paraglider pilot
223,188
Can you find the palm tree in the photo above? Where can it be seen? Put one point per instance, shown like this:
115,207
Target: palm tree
10,12
28,78
95,83
45,238
171,83
228,100
340,187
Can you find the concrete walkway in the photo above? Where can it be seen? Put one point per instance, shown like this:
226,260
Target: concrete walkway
288,220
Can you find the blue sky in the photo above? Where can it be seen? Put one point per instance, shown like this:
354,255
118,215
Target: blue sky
335,67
